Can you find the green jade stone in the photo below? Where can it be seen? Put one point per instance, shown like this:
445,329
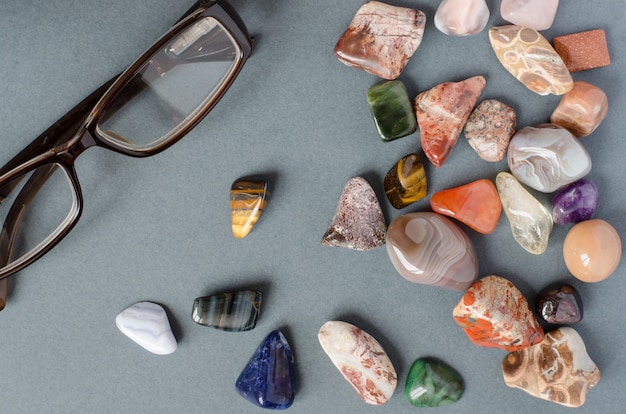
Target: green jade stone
392,110
432,383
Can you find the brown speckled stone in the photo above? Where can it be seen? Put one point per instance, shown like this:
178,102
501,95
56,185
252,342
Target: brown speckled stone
358,222
381,39
489,129
584,50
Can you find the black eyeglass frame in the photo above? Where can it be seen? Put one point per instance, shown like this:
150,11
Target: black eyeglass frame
68,138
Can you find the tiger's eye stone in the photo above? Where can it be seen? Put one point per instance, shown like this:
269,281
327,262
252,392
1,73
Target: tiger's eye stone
581,110
228,311
558,369
405,183
495,314
358,222
247,203
475,204
547,157
441,114
531,223
575,202
432,383
592,250
489,129
361,359
584,50
559,304
528,56
381,39
392,110
536,14
430,249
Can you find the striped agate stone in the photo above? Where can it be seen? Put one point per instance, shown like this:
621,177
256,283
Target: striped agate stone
248,198
229,311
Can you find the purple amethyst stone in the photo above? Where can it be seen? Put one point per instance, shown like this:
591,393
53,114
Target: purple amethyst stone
268,381
574,203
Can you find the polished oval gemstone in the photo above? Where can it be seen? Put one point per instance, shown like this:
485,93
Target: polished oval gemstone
361,360
268,380
592,250
531,223
228,311
558,369
581,110
547,157
538,14
489,129
475,204
432,383
495,314
528,56
405,183
559,304
430,249
392,110
461,17
146,323
574,203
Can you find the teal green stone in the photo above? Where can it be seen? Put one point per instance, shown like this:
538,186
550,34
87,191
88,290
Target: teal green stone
432,383
392,110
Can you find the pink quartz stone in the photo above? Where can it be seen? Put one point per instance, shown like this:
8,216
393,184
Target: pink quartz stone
581,110
441,114
461,17
476,204
536,14
381,39
489,129
430,249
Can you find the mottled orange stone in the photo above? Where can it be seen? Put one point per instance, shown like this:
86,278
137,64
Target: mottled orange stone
441,114
494,314
584,50
581,110
476,204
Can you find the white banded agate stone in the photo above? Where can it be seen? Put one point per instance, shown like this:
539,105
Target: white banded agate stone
547,157
430,249
361,360
531,223
146,323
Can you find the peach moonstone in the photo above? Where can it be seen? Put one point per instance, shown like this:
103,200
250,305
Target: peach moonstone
581,110
592,250
476,204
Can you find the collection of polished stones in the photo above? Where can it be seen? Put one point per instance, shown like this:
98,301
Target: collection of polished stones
428,247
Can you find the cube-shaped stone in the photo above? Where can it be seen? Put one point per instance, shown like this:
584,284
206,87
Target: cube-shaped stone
584,50
381,39
582,109
392,110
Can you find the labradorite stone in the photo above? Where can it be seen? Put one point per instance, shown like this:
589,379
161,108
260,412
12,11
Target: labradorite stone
392,110
432,383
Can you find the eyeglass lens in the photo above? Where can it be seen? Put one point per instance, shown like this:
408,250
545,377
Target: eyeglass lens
178,81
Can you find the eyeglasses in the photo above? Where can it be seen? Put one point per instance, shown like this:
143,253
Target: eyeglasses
144,111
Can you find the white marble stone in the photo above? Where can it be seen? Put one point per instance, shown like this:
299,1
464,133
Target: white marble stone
361,360
547,157
461,17
146,323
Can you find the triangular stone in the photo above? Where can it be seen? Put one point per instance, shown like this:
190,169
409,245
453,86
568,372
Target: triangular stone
146,323
441,114
358,222
268,381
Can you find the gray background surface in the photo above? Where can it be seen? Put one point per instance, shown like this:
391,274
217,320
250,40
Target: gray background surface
158,229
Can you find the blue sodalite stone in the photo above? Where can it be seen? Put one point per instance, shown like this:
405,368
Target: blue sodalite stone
268,380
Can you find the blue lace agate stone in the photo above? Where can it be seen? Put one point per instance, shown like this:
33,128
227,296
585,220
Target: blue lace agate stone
268,379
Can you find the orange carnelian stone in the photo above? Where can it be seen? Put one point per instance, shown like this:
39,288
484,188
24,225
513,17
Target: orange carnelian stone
476,204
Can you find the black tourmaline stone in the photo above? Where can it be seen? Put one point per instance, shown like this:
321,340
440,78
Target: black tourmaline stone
229,311
559,304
